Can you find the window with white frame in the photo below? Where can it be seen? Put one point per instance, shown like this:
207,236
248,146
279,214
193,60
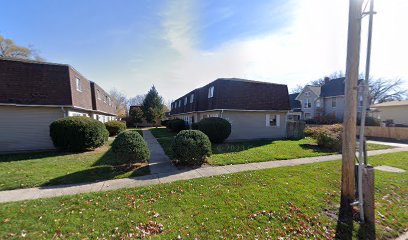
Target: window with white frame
192,98
360,100
179,103
318,103
308,104
98,94
185,101
211,92
272,120
334,102
78,84
307,94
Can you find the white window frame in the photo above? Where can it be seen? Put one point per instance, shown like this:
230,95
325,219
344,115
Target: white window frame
211,92
318,103
334,100
268,120
185,101
78,84
105,99
98,94
192,98
307,103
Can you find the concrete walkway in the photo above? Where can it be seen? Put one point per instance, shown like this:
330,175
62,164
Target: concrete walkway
164,177
392,144
159,161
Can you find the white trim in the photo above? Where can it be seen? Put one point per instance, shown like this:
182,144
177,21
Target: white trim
234,110
58,106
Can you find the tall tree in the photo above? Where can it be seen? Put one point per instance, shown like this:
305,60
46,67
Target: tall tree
8,48
153,107
120,101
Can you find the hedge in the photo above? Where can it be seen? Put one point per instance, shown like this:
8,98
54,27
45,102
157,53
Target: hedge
115,127
130,147
329,136
176,125
78,133
191,147
217,129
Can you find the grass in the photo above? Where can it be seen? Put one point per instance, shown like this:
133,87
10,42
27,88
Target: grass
255,151
55,168
284,202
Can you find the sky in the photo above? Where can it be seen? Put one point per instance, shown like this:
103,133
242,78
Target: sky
179,45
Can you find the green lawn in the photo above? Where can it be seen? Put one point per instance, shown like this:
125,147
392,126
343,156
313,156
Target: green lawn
54,168
255,151
283,202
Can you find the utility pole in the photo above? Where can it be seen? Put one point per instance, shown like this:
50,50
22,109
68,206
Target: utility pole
350,113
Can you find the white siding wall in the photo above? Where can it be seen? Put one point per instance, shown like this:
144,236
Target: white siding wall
26,128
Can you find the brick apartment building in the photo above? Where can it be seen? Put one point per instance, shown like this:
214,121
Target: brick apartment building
34,94
256,110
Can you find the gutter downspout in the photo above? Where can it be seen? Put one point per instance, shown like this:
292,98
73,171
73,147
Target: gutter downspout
63,111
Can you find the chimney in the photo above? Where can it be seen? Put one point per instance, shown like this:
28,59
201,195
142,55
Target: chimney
326,80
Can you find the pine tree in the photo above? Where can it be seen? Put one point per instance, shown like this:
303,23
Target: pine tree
153,108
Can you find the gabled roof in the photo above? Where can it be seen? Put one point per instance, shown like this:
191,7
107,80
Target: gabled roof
315,89
391,104
334,87
293,102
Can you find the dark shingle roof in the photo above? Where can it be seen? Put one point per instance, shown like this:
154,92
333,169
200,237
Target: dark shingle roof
334,87
293,102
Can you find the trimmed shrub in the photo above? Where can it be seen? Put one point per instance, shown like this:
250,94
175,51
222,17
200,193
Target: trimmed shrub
217,129
78,133
176,125
329,136
115,127
130,147
191,147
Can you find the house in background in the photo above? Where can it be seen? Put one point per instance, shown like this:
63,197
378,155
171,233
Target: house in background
256,110
394,111
324,101
34,94
295,113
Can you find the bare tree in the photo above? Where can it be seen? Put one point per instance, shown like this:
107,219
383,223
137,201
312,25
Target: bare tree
296,89
9,49
383,90
120,102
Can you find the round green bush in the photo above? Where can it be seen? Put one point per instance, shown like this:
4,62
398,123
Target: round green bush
164,122
191,147
217,129
130,147
176,125
78,133
194,126
115,127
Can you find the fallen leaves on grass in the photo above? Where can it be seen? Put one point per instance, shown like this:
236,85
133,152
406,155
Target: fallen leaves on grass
149,229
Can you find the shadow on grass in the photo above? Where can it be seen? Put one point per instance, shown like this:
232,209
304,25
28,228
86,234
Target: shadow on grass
234,147
105,168
316,148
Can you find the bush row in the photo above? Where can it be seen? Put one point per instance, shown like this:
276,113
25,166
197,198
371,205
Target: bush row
191,147
217,129
115,127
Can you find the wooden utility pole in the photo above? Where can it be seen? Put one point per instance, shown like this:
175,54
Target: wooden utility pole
350,112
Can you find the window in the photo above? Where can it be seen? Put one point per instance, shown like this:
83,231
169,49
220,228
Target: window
105,99
98,94
334,102
272,120
307,94
192,98
308,104
78,84
360,99
318,103
179,103
211,92
185,101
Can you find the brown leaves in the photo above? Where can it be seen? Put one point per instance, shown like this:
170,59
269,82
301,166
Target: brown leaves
149,229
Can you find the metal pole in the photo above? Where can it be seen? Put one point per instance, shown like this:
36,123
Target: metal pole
350,113
363,114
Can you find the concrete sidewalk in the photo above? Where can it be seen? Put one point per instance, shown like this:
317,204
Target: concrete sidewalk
392,144
164,177
159,161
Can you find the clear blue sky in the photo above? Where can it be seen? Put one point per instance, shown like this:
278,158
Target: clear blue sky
180,45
